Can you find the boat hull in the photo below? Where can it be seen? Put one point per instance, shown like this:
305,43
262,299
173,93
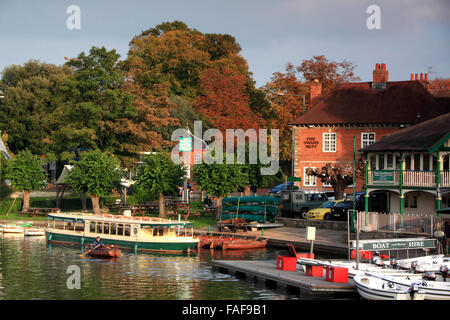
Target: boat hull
107,253
156,246
371,288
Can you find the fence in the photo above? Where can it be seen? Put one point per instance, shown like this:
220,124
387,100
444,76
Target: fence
421,224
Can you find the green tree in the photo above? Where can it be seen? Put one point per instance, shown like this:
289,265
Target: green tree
25,174
160,176
31,95
220,179
97,113
96,173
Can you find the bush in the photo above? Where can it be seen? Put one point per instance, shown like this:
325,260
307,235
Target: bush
5,191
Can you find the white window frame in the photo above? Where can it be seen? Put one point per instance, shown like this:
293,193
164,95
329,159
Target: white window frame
309,181
367,140
327,141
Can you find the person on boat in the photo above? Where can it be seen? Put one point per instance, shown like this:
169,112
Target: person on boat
97,243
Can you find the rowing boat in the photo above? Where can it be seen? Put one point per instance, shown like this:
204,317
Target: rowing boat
106,252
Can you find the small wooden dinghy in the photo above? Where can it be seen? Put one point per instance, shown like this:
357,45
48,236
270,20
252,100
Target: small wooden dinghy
106,252
243,244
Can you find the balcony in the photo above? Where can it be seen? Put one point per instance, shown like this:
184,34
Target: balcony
410,178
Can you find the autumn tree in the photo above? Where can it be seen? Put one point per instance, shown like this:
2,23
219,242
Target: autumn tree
224,101
174,58
340,177
26,174
329,73
287,95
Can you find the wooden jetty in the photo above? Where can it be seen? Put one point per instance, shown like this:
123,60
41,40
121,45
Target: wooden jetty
266,270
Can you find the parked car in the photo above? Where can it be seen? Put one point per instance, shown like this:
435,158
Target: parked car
377,203
283,187
297,203
340,211
324,212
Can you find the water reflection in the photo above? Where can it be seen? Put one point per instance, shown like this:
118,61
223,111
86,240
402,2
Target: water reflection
31,269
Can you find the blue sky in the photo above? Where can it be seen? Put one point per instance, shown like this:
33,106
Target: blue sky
414,34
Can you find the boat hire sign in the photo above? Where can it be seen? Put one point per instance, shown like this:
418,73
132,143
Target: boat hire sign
396,244
383,176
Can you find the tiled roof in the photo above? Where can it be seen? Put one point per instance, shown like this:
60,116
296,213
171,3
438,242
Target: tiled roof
420,137
401,102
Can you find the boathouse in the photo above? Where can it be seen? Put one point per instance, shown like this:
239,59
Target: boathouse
412,166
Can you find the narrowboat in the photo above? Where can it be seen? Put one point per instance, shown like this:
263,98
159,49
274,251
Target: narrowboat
129,233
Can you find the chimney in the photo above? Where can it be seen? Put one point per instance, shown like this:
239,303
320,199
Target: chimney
315,90
380,74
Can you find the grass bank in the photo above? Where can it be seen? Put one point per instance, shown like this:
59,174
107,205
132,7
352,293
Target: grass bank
74,204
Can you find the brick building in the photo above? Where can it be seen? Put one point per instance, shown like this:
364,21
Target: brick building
367,111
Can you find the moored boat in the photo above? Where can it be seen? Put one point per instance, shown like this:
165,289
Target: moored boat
432,290
34,231
130,233
377,288
240,244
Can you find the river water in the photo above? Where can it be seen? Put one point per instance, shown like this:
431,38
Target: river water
32,269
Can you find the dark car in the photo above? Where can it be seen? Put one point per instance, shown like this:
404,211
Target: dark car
340,210
377,203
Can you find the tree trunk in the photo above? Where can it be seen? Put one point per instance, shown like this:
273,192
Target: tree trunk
26,200
339,189
219,207
162,206
95,204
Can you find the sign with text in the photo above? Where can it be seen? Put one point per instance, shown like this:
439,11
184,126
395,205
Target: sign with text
396,244
383,177
185,144
311,143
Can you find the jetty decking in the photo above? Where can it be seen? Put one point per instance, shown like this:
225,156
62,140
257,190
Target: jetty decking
266,270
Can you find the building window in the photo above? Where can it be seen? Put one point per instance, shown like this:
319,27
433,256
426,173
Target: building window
367,138
310,181
329,142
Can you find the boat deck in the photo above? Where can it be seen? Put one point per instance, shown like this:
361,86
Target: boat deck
266,270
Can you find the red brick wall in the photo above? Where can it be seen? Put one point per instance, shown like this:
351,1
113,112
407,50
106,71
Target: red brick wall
308,150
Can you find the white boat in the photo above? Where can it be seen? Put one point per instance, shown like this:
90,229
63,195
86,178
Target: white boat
378,288
34,231
12,228
432,290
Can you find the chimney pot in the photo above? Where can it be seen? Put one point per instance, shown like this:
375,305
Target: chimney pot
383,66
421,76
412,76
416,77
426,76
377,66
